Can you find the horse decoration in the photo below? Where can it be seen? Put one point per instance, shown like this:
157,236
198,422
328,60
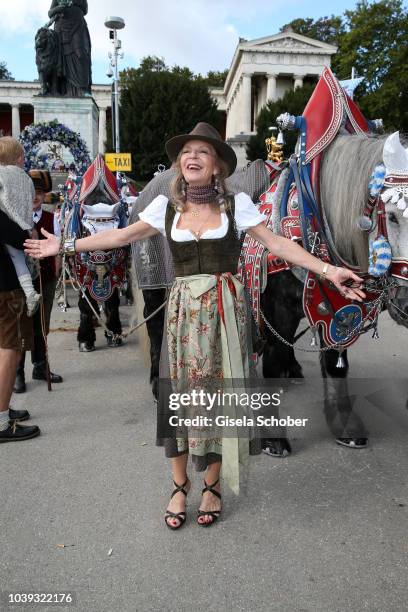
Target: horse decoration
94,205
293,208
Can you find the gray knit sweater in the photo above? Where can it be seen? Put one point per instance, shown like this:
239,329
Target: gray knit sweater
16,196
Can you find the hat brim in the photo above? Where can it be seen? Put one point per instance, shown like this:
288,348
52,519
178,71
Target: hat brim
225,152
42,180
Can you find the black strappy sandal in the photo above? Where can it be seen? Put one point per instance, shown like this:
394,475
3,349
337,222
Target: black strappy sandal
213,513
180,516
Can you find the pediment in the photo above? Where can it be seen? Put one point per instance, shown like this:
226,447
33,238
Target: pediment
288,40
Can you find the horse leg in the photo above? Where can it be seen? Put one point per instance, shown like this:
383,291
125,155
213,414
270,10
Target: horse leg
153,298
346,426
111,308
281,305
86,333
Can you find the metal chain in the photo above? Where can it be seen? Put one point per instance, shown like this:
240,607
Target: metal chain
376,305
108,332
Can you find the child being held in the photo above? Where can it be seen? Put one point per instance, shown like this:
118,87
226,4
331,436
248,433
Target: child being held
16,202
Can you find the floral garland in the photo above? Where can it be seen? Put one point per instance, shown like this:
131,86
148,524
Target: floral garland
36,133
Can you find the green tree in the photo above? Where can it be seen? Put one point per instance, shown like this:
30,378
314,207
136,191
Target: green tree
157,103
292,102
4,73
216,78
375,44
372,39
326,29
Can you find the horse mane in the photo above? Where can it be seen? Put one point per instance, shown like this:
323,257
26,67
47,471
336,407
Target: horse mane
345,173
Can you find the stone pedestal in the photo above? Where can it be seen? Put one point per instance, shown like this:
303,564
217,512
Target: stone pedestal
78,114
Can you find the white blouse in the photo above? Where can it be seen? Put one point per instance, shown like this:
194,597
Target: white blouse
246,215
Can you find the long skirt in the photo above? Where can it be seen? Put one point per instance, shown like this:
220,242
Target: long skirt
206,349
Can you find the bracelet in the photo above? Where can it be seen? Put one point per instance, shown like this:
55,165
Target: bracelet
324,272
68,246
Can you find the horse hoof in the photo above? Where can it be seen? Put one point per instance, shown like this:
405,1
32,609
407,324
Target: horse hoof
297,381
113,342
276,447
155,388
352,442
86,347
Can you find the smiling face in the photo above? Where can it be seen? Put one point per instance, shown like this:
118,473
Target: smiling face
198,162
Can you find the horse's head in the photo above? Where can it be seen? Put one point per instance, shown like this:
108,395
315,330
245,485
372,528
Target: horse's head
99,185
395,197
347,168
99,195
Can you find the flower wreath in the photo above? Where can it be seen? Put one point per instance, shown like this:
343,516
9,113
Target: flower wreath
36,133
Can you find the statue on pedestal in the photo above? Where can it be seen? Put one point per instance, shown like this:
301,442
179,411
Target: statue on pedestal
63,55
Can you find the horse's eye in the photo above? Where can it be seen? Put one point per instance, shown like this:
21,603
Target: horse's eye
393,218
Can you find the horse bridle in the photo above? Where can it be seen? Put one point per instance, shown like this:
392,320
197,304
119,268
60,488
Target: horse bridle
399,267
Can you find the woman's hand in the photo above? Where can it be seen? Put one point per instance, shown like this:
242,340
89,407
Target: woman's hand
43,248
346,282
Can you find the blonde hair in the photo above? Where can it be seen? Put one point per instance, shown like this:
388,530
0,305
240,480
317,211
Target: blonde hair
10,151
178,184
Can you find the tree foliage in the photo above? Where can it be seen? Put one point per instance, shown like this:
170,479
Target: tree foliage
4,73
216,78
158,102
326,29
372,39
376,45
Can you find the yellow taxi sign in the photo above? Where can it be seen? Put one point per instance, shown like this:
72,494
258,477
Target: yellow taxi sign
119,162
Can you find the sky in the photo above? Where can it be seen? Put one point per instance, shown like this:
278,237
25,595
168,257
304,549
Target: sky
199,34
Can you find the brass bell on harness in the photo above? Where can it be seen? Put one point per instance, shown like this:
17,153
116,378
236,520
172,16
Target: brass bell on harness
274,146
313,341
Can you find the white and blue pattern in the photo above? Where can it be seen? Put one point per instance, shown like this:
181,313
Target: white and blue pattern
376,184
380,256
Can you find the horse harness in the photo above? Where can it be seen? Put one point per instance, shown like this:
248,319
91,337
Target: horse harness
301,219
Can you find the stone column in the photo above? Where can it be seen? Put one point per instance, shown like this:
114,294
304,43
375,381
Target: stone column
271,87
298,81
246,98
102,130
15,120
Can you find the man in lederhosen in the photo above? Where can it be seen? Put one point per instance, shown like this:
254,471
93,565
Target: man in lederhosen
48,271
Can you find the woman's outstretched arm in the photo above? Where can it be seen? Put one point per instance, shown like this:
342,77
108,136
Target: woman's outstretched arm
298,256
111,239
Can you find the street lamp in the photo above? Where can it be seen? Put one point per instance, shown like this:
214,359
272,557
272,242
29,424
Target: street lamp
114,24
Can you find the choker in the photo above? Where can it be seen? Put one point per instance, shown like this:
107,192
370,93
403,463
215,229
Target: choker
200,194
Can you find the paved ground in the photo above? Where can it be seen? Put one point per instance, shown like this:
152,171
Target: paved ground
324,530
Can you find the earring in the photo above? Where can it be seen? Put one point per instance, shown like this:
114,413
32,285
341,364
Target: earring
183,186
217,184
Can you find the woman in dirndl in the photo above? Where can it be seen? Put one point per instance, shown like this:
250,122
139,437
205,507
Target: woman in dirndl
206,337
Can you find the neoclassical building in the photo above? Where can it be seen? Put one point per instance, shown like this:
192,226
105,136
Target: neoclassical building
262,69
